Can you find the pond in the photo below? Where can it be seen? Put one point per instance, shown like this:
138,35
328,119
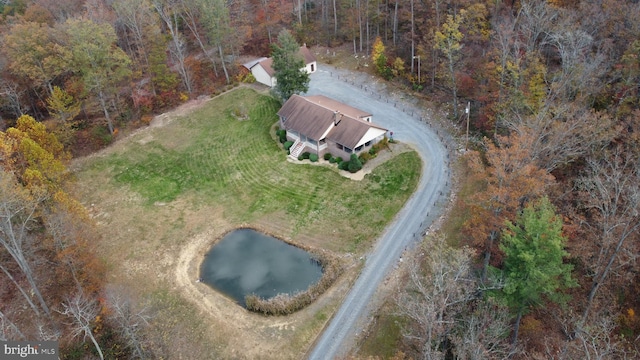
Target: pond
247,262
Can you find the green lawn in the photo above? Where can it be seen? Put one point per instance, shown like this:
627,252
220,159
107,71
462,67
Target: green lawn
212,158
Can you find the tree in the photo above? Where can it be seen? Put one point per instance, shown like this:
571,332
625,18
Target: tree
33,54
509,179
378,56
168,11
533,266
102,65
129,322
442,300
440,279
611,195
291,77
83,311
33,154
447,40
63,108
215,19
17,217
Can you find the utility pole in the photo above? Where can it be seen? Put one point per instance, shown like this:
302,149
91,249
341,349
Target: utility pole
417,57
467,110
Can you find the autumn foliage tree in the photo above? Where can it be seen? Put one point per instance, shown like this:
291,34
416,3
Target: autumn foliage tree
380,58
509,179
101,65
45,235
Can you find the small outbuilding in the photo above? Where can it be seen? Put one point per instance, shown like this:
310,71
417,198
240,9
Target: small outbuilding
264,73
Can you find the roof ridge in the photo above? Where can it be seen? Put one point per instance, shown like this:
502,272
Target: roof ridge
332,110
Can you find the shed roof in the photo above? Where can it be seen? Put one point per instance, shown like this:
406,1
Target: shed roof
267,63
306,54
253,63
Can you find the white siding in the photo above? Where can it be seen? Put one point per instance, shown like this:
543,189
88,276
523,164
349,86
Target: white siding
311,67
261,76
371,135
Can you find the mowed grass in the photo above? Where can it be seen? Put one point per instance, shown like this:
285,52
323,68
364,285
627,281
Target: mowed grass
212,158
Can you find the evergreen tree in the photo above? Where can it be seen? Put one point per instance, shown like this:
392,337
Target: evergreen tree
291,77
533,264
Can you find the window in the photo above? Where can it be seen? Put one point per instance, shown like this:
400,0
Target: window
312,70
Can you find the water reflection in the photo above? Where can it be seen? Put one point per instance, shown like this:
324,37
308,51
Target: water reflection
247,262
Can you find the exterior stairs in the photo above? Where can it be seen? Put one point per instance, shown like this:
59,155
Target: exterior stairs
296,149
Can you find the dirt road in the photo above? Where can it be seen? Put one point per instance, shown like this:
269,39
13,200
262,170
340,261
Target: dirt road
410,125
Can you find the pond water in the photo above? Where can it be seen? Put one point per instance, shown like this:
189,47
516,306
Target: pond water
248,262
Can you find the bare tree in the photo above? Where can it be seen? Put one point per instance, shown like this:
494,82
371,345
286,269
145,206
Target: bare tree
480,332
612,193
129,322
83,311
596,340
10,96
440,279
561,134
190,13
8,330
535,21
168,11
17,211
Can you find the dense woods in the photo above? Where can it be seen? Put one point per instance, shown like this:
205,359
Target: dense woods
553,88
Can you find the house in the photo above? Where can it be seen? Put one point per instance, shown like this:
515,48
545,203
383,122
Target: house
318,124
264,73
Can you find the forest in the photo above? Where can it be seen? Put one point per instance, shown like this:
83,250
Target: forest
543,239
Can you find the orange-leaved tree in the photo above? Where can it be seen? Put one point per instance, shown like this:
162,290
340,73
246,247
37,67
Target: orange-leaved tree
509,179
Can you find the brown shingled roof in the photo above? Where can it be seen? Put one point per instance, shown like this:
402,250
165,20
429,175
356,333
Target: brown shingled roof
306,54
305,117
312,116
335,105
267,63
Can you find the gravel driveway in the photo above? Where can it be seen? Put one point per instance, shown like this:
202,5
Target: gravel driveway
410,125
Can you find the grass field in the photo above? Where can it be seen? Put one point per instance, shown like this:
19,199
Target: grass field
213,158
207,172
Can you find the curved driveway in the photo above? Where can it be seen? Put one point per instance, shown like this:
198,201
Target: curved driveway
419,212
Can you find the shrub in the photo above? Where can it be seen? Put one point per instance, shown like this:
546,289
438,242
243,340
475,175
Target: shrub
338,160
327,156
288,144
344,165
354,164
306,154
283,304
364,157
381,145
313,157
101,135
332,160
282,135
372,151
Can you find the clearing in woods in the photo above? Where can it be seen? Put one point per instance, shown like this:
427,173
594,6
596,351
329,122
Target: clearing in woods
163,195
